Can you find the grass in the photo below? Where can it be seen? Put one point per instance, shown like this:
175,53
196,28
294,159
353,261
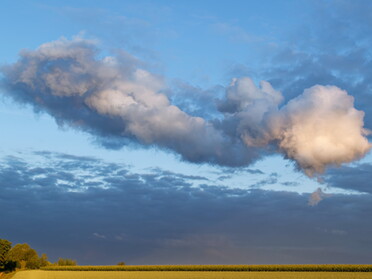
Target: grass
42,274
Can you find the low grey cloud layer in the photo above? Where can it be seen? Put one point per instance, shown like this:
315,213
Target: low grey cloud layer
115,98
357,177
103,213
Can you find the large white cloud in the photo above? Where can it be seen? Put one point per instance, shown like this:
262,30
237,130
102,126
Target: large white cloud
321,127
318,128
115,97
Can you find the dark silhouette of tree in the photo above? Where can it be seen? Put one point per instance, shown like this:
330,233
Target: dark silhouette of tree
10,266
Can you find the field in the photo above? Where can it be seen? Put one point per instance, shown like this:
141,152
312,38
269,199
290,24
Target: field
236,268
42,274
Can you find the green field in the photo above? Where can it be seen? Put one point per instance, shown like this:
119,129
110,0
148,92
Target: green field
41,274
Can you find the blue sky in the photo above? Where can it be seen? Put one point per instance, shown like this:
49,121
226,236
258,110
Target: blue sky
65,153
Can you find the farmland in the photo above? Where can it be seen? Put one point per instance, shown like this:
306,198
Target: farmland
42,274
224,268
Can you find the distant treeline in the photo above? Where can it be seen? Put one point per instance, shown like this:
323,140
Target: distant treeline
22,256
330,268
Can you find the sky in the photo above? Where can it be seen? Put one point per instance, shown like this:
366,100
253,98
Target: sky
187,132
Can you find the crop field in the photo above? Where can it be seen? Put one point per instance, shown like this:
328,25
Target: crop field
42,274
236,268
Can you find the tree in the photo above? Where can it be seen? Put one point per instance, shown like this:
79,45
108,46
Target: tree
20,256
25,256
121,263
5,247
44,260
64,262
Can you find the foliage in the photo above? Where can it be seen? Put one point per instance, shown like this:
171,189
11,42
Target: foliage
121,263
20,256
33,262
25,256
300,268
41,274
5,247
44,260
66,262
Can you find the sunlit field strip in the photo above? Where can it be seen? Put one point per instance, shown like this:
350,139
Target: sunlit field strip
40,274
292,268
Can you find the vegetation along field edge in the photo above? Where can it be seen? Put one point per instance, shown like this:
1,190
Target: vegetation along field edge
43,274
323,268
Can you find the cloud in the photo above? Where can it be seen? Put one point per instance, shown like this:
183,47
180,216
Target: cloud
355,177
101,236
321,127
105,213
316,129
242,94
114,98
317,196
330,47
195,100
121,103
272,179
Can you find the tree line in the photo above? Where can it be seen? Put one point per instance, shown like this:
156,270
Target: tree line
22,256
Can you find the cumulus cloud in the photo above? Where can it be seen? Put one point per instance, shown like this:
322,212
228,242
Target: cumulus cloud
321,127
318,128
114,97
249,106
